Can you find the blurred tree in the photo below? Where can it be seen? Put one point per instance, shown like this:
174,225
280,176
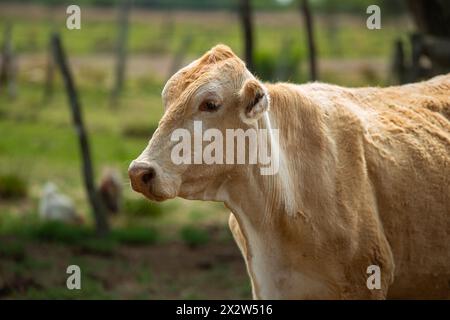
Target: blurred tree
49,75
309,28
98,209
390,7
8,66
431,16
398,62
179,55
121,49
245,12
430,44
50,67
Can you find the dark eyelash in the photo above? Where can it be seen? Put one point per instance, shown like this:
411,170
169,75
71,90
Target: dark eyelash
209,106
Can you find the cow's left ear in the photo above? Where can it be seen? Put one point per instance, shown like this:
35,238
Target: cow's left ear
254,100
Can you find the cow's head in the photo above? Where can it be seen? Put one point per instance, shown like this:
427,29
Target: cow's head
217,90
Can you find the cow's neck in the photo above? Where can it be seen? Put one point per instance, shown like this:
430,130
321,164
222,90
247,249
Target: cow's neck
260,198
271,209
265,198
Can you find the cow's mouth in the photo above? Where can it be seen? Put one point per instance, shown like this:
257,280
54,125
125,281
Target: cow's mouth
156,196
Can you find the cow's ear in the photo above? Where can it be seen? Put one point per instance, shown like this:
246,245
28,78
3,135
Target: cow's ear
254,99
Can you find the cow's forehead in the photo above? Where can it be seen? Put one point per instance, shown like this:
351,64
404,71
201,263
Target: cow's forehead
219,65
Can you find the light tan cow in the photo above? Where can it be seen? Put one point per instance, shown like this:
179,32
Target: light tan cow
364,179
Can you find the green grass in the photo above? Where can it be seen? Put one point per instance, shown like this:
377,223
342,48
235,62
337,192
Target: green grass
99,36
194,236
144,276
60,232
37,135
12,187
38,142
142,207
136,235
82,236
14,250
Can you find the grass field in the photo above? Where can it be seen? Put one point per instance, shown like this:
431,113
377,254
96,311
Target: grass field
185,251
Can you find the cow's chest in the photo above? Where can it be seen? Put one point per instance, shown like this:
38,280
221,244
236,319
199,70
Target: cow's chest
275,278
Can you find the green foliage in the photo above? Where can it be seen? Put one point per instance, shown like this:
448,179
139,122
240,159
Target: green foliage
170,4
12,187
144,276
197,215
81,236
12,249
194,236
280,66
99,37
265,64
142,207
62,233
388,7
348,6
95,245
136,235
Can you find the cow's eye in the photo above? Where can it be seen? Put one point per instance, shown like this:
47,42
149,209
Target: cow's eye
209,106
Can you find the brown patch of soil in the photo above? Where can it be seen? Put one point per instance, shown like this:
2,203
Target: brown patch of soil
169,270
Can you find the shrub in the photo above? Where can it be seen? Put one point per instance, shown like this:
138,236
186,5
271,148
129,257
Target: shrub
14,250
135,235
278,67
142,207
265,64
194,236
12,187
82,237
59,232
102,246
86,238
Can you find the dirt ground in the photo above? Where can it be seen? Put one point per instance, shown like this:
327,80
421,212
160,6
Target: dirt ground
171,270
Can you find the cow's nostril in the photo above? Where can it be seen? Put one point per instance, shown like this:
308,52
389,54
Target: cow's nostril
141,176
148,176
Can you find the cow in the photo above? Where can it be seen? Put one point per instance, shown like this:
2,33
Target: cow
359,206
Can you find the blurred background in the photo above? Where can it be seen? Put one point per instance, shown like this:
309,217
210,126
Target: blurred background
64,194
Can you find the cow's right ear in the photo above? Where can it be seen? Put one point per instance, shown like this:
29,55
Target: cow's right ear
254,100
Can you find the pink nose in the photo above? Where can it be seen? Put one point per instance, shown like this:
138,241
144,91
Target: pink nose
141,176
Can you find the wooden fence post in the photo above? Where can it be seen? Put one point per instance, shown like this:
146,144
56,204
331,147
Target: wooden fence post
309,26
8,66
95,202
245,12
49,74
121,50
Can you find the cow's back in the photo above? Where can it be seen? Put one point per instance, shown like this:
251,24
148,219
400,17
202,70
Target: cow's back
407,151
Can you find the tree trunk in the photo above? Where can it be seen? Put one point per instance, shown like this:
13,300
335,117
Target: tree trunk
245,12
50,67
121,50
398,63
431,16
309,27
96,205
179,55
49,75
8,67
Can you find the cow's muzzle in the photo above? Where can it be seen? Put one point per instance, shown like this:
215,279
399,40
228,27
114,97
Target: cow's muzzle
141,176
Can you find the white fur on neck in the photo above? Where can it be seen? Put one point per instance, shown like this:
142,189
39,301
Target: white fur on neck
281,182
